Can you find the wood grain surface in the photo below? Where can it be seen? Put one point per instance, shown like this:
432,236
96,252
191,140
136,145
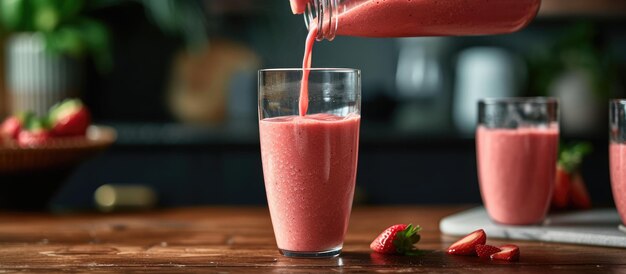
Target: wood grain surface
240,240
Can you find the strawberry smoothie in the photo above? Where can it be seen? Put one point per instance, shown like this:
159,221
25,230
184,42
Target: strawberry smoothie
516,170
309,167
617,157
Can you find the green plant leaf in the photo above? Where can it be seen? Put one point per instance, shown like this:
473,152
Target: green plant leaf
95,34
96,37
184,18
69,9
66,40
163,14
12,14
47,18
577,49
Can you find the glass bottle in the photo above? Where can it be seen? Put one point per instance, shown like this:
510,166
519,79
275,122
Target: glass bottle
412,18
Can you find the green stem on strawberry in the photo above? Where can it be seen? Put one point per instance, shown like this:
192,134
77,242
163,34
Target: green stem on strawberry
571,155
405,240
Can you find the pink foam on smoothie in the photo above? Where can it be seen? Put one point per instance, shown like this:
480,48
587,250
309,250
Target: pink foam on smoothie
411,18
618,177
516,170
309,166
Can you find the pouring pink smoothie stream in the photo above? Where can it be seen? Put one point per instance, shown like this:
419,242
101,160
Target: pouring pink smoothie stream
310,159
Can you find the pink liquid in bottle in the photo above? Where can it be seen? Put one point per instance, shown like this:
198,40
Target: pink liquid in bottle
411,18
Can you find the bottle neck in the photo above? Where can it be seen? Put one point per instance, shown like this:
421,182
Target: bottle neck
323,15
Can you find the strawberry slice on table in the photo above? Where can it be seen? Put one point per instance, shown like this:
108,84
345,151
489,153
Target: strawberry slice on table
467,245
579,196
397,239
36,134
485,251
508,253
12,125
69,118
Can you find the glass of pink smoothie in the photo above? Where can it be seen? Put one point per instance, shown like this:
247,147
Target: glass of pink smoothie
310,158
516,146
617,154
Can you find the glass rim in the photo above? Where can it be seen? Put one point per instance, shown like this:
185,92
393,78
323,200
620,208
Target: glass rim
518,100
342,70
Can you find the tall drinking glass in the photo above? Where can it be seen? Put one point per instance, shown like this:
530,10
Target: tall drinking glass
617,153
517,145
310,161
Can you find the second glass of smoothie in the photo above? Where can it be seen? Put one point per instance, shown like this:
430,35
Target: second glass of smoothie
517,146
617,154
309,159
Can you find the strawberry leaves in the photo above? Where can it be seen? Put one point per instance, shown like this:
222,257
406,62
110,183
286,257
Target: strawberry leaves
571,155
405,239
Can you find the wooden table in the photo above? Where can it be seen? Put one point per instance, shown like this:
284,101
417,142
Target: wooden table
240,240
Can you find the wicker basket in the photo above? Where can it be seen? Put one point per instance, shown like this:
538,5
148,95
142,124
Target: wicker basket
59,153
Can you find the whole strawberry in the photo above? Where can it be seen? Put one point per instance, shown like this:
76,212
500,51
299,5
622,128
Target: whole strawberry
569,187
397,239
12,125
69,118
35,134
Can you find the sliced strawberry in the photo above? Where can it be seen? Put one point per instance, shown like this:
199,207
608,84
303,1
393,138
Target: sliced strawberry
69,118
398,238
509,253
467,245
579,196
485,251
560,196
36,134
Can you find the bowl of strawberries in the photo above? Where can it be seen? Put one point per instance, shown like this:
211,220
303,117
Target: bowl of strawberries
38,153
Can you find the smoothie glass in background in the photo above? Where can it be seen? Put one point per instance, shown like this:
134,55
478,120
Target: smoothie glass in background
309,161
516,146
617,154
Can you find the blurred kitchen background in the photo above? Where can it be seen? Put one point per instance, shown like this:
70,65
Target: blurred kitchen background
177,80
